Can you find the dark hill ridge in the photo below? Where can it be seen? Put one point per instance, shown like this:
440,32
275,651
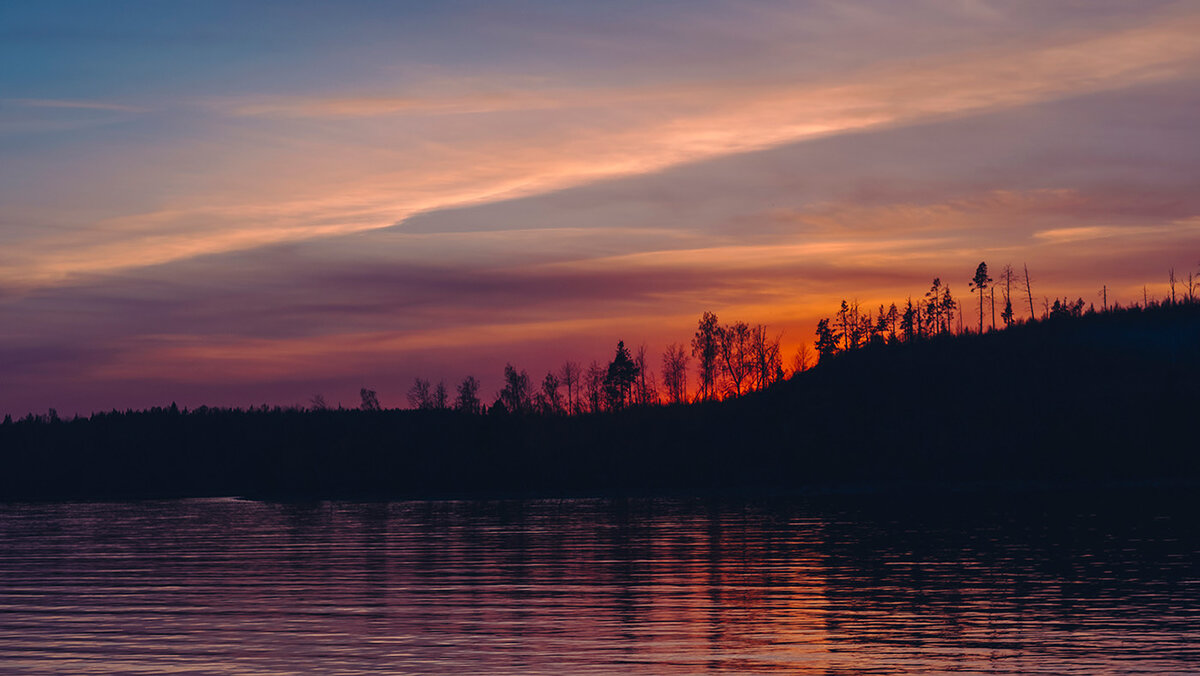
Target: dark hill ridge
1103,397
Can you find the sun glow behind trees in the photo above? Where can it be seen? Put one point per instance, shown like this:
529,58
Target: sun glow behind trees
734,359
374,192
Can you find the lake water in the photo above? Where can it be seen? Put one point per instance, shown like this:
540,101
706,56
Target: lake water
1009,584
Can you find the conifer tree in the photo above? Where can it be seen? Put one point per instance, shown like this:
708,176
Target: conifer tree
909,321
618,382
947,306
978,284
827,340
933,305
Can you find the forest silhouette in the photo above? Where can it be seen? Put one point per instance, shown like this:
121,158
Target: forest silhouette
909,394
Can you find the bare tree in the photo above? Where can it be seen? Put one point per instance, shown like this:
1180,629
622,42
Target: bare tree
549,399
370,400
767,361
570,374
855,326
706,349
734,352
593,385
318,403
419,395
1029,292
441,399
645,389
992,305
1006,276
1171,278
802,360
674,373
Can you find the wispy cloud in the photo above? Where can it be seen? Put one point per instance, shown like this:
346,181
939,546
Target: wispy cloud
373,106
439,207
1178,229
642,131
76,105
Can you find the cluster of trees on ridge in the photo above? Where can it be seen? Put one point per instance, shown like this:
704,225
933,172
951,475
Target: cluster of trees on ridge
731,359
737,358
935,313
1100,394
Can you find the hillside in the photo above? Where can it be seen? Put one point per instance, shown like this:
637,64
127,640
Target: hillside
1110,396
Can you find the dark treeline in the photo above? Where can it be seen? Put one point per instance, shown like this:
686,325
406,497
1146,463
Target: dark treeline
738,358
1066,394
731,360
934,314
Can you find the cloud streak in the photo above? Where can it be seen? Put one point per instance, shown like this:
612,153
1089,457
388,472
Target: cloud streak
323,220
626,132
76,105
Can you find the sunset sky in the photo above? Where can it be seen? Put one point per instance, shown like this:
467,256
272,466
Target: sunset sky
245,203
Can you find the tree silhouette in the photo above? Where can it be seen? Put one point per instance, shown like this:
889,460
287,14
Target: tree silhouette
516,395
1066,308
468,396
946,308
419,395
992,305
1006,276
705,348
1029,292
843,317
909,321
646,389
549,399
370,401
619,380
734,351
593,384
933,305
857,327
674,373
827,341
802,360
318,403
978,284
880,331
766,359
570,374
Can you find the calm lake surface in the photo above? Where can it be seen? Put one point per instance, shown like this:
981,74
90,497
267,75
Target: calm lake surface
1004,584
